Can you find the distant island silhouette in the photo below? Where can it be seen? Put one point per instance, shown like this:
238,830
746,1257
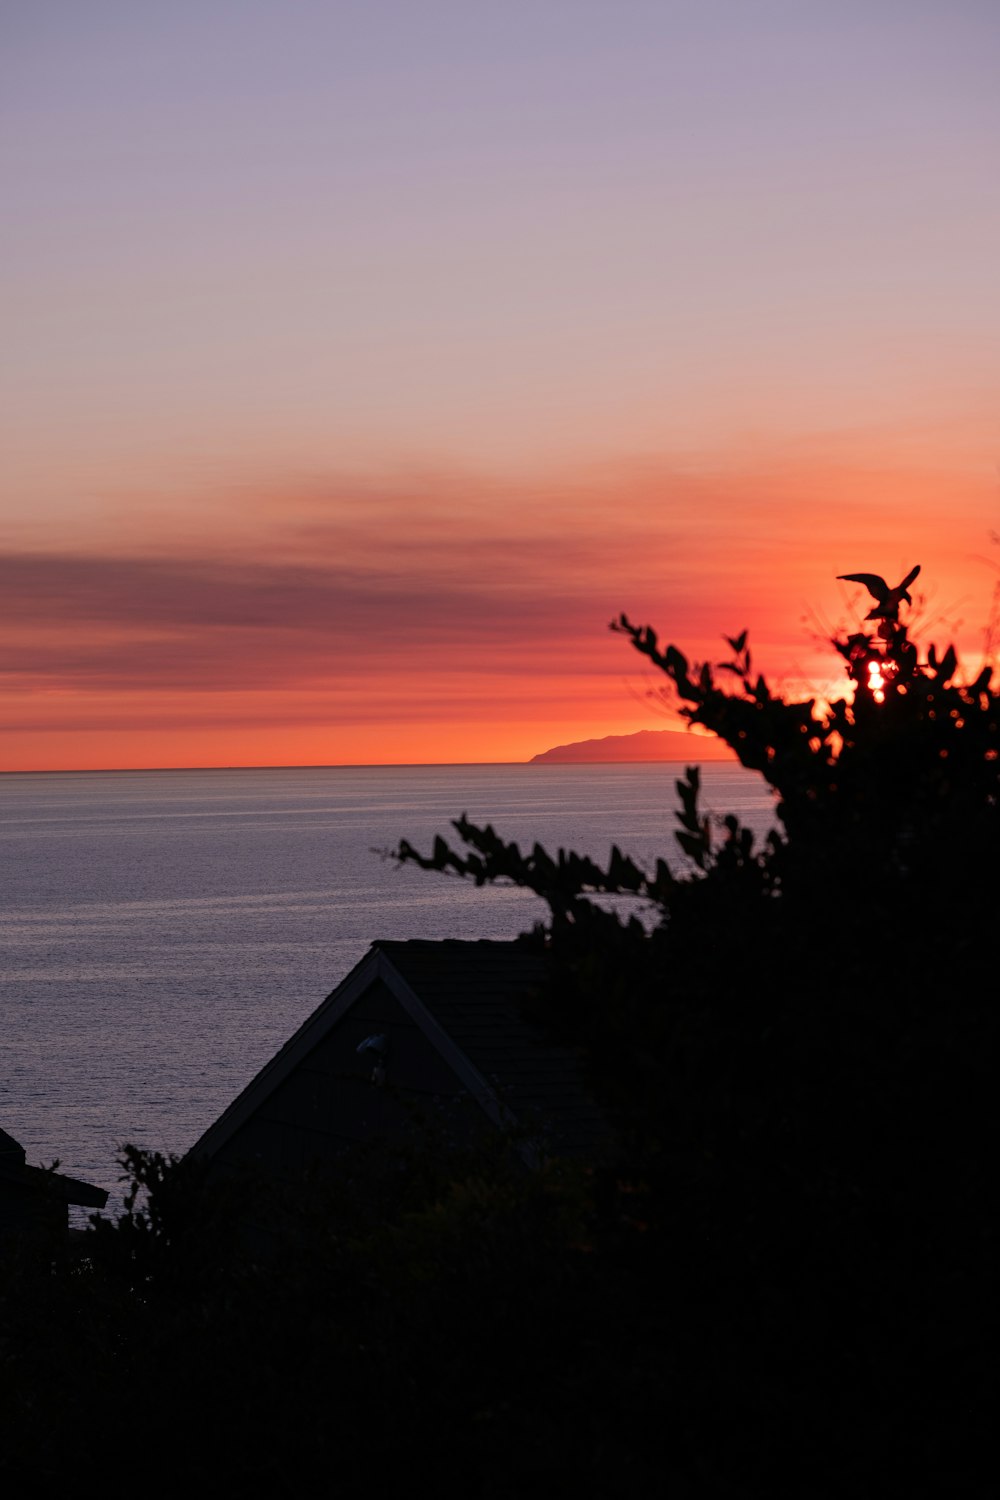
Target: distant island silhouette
646,745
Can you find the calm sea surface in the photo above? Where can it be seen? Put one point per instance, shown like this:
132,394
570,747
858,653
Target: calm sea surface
162,933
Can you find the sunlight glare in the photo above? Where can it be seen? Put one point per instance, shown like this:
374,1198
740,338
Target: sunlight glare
876,682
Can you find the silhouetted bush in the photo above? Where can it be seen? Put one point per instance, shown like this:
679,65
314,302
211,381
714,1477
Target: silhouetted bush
799,1048
783,1281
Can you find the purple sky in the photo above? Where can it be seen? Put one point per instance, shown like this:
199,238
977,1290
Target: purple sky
521,268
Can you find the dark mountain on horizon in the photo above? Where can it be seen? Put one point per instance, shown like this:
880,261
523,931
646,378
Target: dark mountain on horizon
646,745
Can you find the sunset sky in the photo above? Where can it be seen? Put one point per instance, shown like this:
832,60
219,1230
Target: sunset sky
364,358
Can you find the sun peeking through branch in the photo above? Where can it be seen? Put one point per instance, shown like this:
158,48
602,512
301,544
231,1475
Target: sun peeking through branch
880,795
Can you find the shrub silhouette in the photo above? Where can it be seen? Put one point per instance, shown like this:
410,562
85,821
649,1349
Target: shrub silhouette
889,796
798,1049
782,1281
885,860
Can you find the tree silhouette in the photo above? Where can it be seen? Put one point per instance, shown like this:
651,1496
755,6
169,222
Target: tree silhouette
798,1047
781,1278
887,800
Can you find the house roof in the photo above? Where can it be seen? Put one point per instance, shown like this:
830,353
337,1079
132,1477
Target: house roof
17,1176
468,1000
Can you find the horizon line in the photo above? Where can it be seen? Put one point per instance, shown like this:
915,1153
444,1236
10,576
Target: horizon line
415,765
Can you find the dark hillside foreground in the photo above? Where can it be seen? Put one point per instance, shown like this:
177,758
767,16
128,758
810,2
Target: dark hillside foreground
781,1276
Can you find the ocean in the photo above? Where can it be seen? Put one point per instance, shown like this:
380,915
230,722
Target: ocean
162,933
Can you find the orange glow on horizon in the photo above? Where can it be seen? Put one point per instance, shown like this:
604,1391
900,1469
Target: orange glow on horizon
345,418
431,619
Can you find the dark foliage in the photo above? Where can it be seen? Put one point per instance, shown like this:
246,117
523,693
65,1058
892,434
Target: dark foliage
800,1048
782,1282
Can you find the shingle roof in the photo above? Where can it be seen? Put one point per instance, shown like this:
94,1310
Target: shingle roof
477,992
468,999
